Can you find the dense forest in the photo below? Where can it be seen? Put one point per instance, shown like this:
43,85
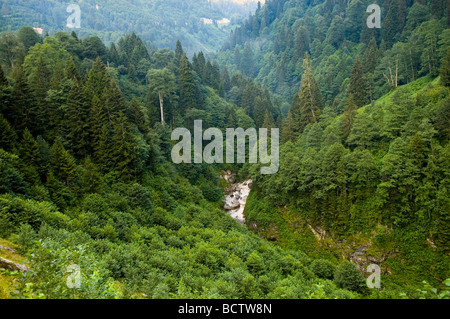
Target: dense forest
86,175
158,22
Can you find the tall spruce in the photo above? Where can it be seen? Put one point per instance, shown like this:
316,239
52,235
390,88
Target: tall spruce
307,103
357,86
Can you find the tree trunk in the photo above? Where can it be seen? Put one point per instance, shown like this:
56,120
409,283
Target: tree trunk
161,106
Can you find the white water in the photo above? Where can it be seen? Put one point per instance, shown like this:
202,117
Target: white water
236,198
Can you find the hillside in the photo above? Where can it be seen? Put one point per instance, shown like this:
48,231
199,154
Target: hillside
377,196
199,25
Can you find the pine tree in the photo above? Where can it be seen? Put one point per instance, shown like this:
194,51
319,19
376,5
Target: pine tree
3,80
288,130
225,80
268,121
190,96
394,21
445,69
350,112
24,112
77,120
124,151
30,157
39,84
357,86
62,164
307,104
97,120
178,52
370,58
301,45
8,137
97,80
71,71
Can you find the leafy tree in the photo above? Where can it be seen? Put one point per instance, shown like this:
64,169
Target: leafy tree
28,37
445,69
347,276
162,83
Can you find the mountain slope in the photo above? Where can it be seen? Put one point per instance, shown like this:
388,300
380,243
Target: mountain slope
199,25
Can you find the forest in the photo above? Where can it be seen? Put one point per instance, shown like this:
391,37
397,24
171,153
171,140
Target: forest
159,23
86,175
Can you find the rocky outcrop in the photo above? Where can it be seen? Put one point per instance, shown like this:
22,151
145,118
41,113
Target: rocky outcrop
10,265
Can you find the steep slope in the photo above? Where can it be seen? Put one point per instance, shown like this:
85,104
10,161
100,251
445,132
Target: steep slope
378,196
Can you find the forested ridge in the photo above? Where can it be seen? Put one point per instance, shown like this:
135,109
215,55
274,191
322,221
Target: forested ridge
86,175
158,22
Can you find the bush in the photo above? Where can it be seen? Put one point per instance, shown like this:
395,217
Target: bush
323,268
347,276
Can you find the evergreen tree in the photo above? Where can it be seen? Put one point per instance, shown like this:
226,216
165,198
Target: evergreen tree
77,120
357,86
178,52
40,80
394,22
124,152
190,95
30,157
289,128
307,104
302,42
71,71
8,137
62,164
24,111
3,80
445,69
348,118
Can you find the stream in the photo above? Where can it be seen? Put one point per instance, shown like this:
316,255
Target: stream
236,198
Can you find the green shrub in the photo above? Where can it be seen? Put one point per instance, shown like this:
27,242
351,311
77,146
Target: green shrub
323,268
347,276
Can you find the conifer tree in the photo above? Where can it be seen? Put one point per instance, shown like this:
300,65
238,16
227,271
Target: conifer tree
3,80
288,130
24,110
8,137
30,157
268,122
178,52
301,45
97,120
71,71
348,118
308,103
124,152
62,164
77,120
445,69
190,95
40,80
357,86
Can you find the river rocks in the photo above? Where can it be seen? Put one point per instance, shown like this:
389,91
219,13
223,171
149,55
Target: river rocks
237,198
